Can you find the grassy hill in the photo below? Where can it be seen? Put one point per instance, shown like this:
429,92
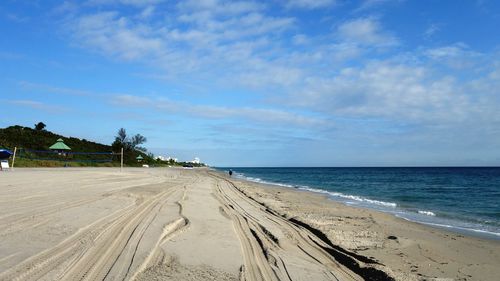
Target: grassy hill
28,139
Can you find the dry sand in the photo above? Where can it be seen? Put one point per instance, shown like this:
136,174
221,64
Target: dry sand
176,224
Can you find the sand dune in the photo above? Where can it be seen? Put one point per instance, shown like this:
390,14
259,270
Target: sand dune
159,224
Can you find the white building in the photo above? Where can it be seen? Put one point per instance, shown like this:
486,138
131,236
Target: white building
163,158
196,160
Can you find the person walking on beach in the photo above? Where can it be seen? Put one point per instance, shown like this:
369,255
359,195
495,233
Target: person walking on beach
230,173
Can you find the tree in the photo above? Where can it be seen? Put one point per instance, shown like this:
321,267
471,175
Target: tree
137,140
40,126
122,136
123,141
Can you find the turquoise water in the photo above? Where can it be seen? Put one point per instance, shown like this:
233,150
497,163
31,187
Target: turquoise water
465,200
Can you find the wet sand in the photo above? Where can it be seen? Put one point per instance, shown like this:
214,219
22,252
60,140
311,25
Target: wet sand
176,224
408,251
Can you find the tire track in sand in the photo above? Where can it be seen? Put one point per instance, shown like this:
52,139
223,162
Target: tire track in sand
276,248
93,252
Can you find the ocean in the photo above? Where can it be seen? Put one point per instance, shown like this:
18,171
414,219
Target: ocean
464,200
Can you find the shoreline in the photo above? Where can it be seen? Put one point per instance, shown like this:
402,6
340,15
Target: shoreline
423,217
412,250
199,224
469,233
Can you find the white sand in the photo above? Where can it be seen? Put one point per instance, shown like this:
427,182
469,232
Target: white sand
176,224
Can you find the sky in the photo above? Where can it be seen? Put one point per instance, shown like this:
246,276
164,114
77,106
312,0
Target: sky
262,83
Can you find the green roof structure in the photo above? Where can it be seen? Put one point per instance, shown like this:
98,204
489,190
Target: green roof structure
139,158
60,145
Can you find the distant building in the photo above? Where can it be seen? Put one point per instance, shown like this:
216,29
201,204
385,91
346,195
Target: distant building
163,158
196,160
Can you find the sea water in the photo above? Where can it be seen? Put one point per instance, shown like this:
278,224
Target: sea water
465,200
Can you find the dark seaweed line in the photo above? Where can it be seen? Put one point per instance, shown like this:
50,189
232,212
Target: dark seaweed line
345,257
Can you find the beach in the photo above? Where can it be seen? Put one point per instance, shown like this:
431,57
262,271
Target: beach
199,224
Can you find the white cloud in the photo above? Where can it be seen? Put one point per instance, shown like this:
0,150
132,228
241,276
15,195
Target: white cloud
432,30
66,7
114,35
220,7
458,56
137,3
147,12
310,4
264,73
300,39
451,51
207,35
369,4
37,105
345,51
270,117
366,31
56,90
241,26
400,92
240,44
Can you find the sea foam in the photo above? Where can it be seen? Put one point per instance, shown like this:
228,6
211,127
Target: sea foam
333,194
427,213
352,197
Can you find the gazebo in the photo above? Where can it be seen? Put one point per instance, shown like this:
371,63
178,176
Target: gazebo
139,158
60,147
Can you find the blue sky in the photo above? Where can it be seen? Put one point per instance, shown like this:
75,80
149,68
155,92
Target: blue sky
262,83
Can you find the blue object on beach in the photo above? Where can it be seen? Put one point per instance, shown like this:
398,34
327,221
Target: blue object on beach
5,153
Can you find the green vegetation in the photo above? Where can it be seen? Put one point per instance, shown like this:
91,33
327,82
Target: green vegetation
25,138
32,139
40,126
131,148
39,139
22,162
